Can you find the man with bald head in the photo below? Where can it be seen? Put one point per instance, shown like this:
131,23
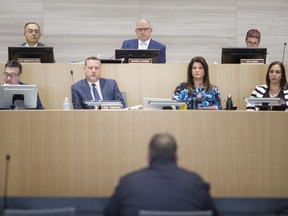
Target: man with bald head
32,35
143,31
162,186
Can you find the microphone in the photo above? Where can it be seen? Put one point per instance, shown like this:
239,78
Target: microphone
284,52
72,75
6,178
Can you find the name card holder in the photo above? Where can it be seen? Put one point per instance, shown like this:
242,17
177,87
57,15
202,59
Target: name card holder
252,61
29,60
140,60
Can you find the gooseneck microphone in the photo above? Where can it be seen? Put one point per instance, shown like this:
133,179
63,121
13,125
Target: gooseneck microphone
72,75
284,52
6,178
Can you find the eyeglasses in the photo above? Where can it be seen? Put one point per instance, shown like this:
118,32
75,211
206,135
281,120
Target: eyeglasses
30,31
142,29
272,72
11,75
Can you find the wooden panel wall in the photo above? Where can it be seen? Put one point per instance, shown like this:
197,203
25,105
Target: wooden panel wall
77,29
142,80
84,153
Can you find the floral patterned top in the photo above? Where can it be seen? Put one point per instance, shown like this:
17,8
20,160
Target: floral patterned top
203,97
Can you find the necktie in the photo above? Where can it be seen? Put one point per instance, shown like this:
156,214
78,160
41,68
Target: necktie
95,92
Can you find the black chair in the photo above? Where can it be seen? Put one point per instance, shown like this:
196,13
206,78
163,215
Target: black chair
174,213
69,211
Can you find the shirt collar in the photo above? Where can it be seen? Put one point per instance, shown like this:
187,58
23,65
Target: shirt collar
146,42
29,46
97,83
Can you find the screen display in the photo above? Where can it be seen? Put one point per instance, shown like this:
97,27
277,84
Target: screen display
31,54
235,55
139,56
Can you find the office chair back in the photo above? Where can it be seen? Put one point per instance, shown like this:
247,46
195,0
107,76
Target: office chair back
174,213
69,211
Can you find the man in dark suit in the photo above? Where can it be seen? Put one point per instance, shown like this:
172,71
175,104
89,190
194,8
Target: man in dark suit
32,35
161,186
94,87
12,75
143,31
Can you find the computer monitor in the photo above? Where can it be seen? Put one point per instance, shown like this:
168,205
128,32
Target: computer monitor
18,96
111,61
138,56
31,54
161,103
276,104
243,55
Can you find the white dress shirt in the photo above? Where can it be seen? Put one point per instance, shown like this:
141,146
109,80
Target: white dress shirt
143,44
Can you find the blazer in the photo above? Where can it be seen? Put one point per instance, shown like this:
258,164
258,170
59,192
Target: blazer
133,44
39,104
162,186
81,92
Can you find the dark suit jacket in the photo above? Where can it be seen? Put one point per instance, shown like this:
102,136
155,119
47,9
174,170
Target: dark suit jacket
81,92
161,186
39,104
133,44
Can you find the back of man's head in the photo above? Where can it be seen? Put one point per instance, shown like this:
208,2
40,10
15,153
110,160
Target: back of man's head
162,146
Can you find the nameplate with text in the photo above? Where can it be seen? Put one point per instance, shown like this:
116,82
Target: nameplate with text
29,60
140,60
252,61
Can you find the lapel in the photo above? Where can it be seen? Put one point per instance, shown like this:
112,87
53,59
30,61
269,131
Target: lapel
134,44
103,88
151,44
86,89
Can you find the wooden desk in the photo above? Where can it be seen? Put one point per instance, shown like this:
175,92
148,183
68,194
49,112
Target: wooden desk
142,80
84,153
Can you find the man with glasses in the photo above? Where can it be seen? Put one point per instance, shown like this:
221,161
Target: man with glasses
143,31
32,35
12,74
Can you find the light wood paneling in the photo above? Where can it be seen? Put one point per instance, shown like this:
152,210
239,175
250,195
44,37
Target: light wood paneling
84,153
142,80
77,29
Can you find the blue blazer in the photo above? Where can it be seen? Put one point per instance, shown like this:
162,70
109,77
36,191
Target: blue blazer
81,92
133,44
39,104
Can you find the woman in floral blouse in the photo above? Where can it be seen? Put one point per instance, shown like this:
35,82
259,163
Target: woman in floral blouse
198,91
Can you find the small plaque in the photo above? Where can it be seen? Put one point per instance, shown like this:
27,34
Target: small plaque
140,60
29,60
252,61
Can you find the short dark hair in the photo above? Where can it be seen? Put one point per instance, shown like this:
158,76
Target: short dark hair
206,79
31,23
91,58
14,64
163,146
283,81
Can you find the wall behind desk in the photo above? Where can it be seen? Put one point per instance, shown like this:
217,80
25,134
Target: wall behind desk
77,29
142,80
